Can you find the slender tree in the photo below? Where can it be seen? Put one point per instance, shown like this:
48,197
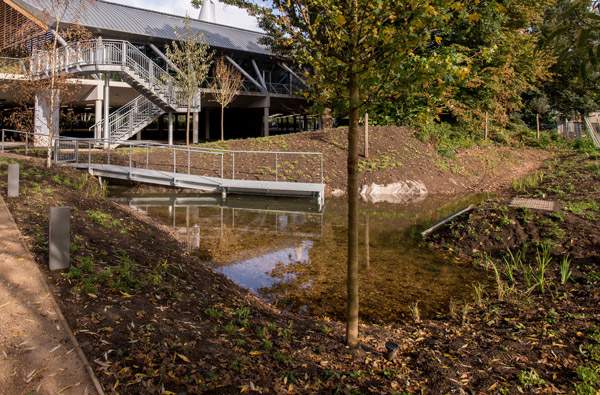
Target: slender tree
53,16
192,56
540,106
350,47
226,85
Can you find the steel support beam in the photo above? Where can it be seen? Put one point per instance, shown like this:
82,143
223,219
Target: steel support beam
98,119
292,72
245,74
106,98
206,125
195,127
164,57
170,128
259,75
265,131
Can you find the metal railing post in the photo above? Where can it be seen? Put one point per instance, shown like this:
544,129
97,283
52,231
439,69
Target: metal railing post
130,149
276,166
174,161
233,166
322,176
27,143
124,53
2,140
147,156
89,154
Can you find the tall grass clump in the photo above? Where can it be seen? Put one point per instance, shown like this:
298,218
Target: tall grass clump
565,270
543,259
415,311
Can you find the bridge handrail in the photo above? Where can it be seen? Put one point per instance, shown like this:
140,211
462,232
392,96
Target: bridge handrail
4,132
93,143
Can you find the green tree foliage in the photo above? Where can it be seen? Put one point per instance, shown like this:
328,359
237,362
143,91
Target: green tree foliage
350,48
572,31
485,56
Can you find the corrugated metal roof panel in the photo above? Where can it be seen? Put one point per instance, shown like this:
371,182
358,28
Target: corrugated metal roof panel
103,15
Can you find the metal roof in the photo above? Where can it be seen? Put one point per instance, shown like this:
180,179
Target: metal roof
103,15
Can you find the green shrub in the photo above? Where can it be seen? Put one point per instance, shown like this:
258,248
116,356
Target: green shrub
447,138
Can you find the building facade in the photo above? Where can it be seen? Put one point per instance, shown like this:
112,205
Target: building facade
119,83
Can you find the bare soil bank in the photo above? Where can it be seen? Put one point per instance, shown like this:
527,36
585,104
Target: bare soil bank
540,323
395,154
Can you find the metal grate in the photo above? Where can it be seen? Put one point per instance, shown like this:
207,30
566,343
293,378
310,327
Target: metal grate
534,204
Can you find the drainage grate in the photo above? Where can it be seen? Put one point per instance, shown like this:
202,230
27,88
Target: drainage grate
534,204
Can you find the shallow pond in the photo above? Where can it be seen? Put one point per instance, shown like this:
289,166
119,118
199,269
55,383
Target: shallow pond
294,256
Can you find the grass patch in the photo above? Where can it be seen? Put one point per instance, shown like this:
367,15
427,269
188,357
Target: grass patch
382,162
103,219
588,209
528,183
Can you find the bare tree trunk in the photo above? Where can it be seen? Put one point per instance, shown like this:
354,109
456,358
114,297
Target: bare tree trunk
222,127
50,133
367,135
537,121
187,127
486,125
367,242
352,281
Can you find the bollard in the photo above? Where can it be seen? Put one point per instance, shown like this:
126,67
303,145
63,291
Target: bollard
391,349
13,180
60,238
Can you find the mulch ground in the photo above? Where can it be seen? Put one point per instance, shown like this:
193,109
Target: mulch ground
546,337
154,319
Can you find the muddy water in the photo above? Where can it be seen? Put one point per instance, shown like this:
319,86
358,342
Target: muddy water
294,256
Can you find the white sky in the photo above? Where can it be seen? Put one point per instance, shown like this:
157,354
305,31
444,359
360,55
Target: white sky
225,14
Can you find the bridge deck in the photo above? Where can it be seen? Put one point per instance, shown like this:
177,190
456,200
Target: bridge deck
209,184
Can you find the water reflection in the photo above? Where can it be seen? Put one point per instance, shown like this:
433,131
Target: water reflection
291,254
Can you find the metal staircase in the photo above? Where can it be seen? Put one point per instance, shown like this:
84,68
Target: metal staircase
156,86
130,119
593,131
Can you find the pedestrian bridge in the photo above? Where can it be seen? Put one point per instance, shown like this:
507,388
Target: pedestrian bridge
266,173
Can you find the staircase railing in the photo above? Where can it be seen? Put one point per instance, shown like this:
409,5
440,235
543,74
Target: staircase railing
125,121
592,132
109,53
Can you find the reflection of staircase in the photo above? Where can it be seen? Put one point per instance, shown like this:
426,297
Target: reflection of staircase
158,94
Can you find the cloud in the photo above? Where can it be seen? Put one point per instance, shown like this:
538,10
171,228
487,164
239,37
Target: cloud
225,14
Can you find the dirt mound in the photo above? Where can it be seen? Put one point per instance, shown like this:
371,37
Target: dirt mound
396,154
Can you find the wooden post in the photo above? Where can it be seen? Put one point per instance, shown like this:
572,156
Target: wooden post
366,135
486,125
367,242
537,120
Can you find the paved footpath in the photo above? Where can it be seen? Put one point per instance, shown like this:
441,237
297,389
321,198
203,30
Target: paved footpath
37,355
